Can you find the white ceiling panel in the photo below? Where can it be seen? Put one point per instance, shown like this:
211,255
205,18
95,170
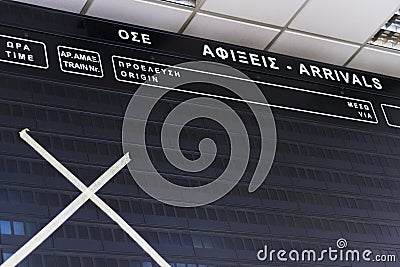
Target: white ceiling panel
276,12
377,60
324,30
70,5
230,31
352,20
144,13
315,48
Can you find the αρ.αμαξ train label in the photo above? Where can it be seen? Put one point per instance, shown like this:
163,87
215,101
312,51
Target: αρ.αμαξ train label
80,61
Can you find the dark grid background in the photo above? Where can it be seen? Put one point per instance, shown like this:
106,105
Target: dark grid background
328,181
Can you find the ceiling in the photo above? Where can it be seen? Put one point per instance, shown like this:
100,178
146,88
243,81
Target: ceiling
332,31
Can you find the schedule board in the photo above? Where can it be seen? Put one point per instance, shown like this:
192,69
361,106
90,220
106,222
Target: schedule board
128,146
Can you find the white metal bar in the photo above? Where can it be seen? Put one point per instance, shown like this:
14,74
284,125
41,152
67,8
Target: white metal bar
87,193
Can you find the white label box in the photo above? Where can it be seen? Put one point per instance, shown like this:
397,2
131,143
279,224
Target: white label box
392,115
25,52
80,61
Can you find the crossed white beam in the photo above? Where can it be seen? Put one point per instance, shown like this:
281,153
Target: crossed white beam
87,193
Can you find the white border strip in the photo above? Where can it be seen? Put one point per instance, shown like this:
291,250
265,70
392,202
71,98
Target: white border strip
248,101
79,73
25,64
386,118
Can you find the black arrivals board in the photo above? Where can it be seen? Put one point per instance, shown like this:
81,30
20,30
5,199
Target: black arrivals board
238,157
